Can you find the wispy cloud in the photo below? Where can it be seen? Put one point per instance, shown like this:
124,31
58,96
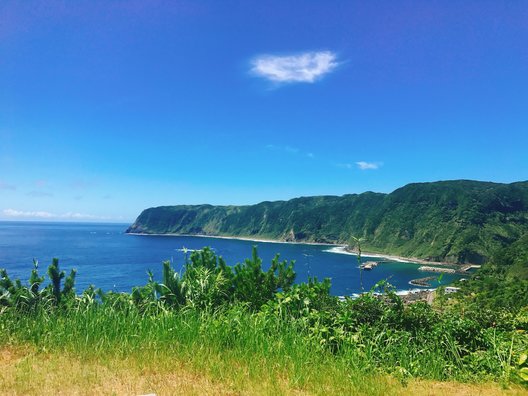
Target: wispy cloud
13,213
289,150
39,194
6,186
363,165
306,67
33,214
81,216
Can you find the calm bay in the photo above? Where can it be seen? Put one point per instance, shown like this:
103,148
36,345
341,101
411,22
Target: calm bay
110,259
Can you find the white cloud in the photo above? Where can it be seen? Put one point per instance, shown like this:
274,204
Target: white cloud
20,213
368,165
13,213
306,67
290,150
80,216
363,165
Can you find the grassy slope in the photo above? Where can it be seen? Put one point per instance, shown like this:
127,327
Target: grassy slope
457,221
26,371
112,352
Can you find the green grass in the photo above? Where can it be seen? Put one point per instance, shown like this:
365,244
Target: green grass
246,351
260,341
252,331
233,347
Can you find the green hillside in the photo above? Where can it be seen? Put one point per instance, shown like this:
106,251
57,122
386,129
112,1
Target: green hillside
456,221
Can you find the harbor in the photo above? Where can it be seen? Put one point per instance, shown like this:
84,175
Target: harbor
463,270
426,281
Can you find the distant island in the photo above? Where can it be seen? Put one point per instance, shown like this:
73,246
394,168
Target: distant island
458,221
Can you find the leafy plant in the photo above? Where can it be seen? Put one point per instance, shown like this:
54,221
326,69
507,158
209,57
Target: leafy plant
253,285
357,243
522,367
56,276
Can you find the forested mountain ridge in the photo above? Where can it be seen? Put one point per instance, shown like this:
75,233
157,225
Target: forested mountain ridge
456,221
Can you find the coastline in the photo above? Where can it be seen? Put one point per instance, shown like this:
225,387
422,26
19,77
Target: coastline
341,249
413,291
238,238
334,248
401,292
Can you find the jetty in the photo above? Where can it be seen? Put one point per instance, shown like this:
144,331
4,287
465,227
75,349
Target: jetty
422,282
467,267
437,269
461,270
369,265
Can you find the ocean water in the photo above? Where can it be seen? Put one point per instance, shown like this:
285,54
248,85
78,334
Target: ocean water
110,259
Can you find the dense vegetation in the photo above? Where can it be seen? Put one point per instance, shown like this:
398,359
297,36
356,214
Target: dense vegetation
456,221
266,325
503,282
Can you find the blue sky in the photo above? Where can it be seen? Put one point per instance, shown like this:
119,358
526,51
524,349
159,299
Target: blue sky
110,107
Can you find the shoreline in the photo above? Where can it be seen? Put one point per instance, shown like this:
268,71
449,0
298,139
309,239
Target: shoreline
238,238
334,248
341,249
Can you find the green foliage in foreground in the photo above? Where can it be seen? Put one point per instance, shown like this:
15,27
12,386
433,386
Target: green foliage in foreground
261,316
456,221
500,285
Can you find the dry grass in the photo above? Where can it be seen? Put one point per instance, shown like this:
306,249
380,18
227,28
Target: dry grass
435,388
25,371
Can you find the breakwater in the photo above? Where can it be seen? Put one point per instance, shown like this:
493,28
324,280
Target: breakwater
422,282
426,268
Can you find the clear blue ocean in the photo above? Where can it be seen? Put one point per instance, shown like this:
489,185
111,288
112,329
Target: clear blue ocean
110,259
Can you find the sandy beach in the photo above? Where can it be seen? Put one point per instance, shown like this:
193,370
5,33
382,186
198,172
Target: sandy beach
341,249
